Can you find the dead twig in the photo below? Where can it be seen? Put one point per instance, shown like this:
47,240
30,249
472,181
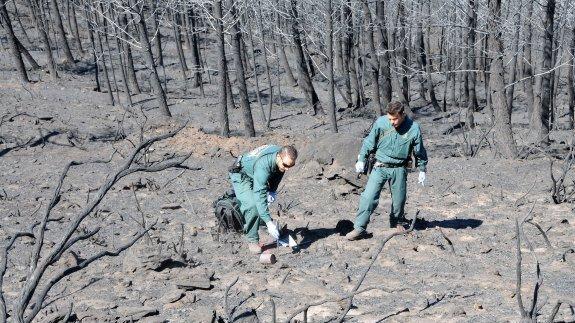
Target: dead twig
226,302
306,307
564,256
556,309
518,271
403,310
273,305
448,240
547,242
520,199
373,259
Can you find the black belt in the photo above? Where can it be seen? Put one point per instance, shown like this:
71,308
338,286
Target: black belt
388,165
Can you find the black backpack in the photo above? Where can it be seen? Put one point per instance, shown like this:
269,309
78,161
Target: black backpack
227,212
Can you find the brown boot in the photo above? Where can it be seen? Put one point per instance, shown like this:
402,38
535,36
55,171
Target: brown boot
354,235
254,248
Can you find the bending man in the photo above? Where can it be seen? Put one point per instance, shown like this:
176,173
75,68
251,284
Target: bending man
255,178
393,138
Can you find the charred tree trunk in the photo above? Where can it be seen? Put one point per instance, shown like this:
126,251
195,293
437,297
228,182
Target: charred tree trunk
283,56
304,79
193,40
93,44
427,64
349,58
25,53
384,66
556,76
179,49
61,31
256,76
240,75
41,27
513,73
75,29
130,70
527,60
149,57
503,133
403,61
331,88
429,82
19,20
108,50
346,41
471,75
13,43
119,50
570,82
157,36
223,70
267,65
372,62
542,106
419,47
308,59
104,67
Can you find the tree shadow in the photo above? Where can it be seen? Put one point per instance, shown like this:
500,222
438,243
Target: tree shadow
456,224
33,142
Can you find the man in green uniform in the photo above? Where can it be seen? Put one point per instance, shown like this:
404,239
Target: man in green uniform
255,179
393,138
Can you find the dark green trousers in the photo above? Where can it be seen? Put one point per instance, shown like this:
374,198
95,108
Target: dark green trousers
243,187
369,200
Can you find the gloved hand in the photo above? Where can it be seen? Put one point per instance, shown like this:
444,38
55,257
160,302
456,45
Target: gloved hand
421,179
272,197
273,229
359,167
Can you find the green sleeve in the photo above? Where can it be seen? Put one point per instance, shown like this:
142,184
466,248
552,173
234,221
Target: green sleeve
262,171
419,152
369,143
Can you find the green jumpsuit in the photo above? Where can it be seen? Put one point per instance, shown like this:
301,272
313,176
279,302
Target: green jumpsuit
393,148
259,174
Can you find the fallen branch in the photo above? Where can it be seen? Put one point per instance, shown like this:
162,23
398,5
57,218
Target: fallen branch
547,242
374,258
518,271
448,240
306,307
33,289
403,310
226,302
556,309
68,271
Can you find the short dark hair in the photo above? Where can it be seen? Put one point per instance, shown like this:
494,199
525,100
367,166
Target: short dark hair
395,108
289,151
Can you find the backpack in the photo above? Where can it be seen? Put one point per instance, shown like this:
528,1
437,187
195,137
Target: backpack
227,212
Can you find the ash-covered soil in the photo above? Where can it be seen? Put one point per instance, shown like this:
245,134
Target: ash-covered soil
458,265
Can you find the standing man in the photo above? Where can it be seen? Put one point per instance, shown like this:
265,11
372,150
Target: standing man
255,178
392,138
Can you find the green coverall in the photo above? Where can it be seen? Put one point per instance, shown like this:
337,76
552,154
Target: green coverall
393,147
259,174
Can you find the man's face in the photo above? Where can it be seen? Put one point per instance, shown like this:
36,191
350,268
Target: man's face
284,162
396,119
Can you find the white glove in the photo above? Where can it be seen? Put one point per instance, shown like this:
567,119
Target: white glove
421,179
272,197
273,230
359,167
